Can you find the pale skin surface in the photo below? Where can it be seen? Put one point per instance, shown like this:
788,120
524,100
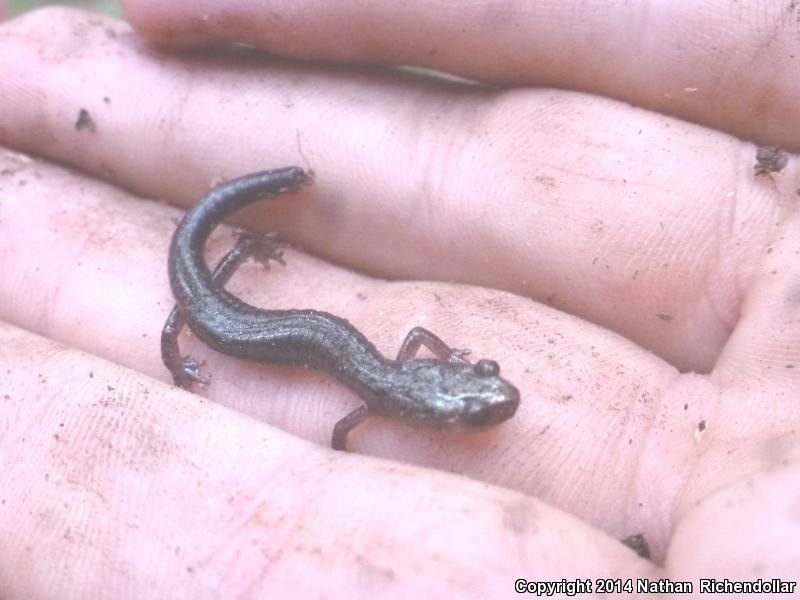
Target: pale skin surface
614,229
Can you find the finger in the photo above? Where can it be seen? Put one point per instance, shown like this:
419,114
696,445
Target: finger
617,216
86,265
712,63
99,461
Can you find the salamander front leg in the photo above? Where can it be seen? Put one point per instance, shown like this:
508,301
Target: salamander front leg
345,425
419,336
186,369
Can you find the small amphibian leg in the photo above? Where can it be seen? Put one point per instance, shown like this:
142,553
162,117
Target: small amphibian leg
186,369
345,425
419,336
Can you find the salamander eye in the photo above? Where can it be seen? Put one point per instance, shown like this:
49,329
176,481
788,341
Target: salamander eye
486,368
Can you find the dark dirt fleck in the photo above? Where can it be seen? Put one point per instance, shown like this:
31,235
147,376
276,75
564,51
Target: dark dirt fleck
770,159
638,543
85,121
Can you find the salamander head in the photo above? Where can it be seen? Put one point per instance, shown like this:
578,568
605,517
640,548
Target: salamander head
456,396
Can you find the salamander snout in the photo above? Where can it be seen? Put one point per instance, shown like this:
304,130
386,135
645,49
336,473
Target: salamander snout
489,409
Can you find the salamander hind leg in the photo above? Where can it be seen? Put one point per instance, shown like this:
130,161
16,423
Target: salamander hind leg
185,369
263,247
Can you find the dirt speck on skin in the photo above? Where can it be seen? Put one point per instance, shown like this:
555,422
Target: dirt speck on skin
700,430
770,159
379,574
664,316
546,181
85,121
638,543
519,517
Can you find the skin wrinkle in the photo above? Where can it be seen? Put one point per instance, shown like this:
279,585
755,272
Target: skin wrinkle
719,252
705,298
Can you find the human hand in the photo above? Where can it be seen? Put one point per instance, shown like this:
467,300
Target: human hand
645,224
